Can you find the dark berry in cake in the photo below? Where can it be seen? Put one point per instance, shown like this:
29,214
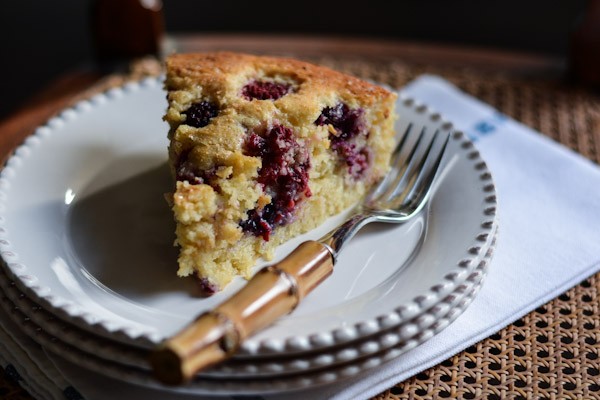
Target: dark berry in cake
349,127
199,114
260,223
283,176
206,287
187,170
357,159
265,90
347,122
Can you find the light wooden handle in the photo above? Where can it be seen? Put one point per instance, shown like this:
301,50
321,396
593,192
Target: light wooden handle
215,335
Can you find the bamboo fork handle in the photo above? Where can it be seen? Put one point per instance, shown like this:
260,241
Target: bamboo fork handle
215,335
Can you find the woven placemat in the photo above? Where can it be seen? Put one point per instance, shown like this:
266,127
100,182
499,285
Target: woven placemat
551,353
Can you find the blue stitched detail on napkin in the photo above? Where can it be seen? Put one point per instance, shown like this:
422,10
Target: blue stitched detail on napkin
486,126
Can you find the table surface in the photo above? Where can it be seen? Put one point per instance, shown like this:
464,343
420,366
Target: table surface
550,353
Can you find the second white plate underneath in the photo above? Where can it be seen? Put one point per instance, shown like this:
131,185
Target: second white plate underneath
130,356
205,385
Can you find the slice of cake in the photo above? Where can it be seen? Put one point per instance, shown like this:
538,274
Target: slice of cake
263,149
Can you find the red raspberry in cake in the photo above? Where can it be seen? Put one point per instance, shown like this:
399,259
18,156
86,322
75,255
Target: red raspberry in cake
280,146
283,176
357,159
265,90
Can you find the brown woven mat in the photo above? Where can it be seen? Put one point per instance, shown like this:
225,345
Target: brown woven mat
551,353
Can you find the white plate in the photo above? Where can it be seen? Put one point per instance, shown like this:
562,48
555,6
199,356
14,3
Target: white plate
256,367
90,364
85,233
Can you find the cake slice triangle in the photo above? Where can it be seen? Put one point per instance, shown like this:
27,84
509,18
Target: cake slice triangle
263,149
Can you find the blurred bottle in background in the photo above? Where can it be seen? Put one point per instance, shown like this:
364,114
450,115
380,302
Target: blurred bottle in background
125,30
584,52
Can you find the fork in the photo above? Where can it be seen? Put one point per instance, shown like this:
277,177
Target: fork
277,289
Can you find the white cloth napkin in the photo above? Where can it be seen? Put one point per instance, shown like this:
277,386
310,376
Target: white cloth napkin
549,212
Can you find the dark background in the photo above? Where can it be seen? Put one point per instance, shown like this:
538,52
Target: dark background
40,39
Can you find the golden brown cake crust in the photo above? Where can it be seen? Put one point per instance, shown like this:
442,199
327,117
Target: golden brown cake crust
218,66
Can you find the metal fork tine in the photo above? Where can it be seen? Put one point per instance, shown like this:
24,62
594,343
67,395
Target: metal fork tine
405,167
419,169
424,181
395,161
402,194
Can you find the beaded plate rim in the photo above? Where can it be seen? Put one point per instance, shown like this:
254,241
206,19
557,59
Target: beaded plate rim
204,384
107,349
147,337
